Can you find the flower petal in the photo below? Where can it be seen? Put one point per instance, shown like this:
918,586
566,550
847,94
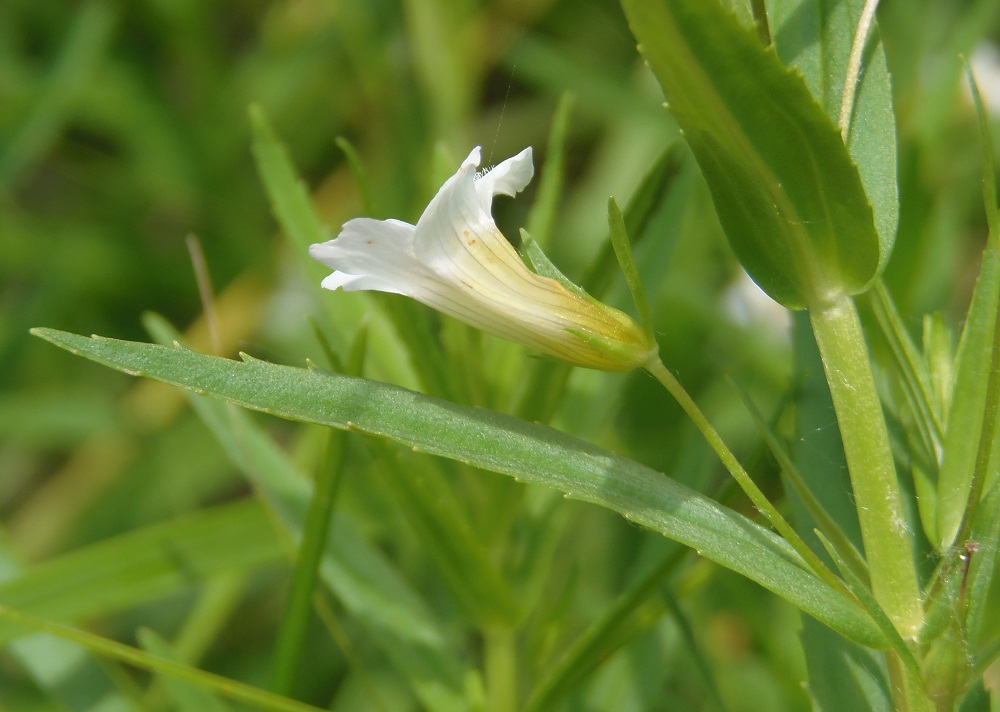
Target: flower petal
457,261
483,281
372,254
456,236
508,177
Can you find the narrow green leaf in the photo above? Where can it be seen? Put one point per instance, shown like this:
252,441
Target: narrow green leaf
870,134
623,251
542,216
785,189
926,409
500,443
968,402
143,565
186,696
289,196
89,33
988,169
982,567
106,647
978,408
354,161
541,264
939,354
912,367
360,576
647,200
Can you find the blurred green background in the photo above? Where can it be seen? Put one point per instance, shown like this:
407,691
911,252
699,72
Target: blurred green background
124,129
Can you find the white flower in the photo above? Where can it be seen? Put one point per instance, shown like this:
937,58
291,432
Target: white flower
456,260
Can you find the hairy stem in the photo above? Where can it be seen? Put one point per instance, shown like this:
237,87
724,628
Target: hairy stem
886,535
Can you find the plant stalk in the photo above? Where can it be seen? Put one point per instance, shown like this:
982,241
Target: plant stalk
884,529
743,479
500,663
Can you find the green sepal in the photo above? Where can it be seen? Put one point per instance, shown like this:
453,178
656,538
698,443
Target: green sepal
543,266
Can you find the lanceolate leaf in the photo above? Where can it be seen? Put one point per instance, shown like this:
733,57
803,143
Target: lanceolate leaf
814,37
785,189
492,441
969,402
965,472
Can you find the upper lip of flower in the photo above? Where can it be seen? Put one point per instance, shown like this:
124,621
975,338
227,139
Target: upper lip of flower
457,261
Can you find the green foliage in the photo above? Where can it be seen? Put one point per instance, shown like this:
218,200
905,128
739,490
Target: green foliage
167,550
815,38
491,441
784,187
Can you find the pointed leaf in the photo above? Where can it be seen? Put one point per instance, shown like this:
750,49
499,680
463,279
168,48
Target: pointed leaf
815,37
968,401
785,189
500,443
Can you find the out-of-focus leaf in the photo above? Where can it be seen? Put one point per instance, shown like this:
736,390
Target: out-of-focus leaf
186,697
842,674
65,672
120,652
542,216
143,565
289,196
361,577
88,38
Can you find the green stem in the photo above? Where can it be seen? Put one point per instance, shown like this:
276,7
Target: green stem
500,666
877,496
298,607
909,694
743,479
